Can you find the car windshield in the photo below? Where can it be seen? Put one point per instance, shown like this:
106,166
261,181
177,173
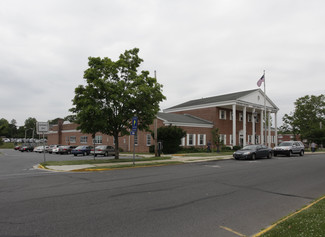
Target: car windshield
285,144
80,147
100,147
250,147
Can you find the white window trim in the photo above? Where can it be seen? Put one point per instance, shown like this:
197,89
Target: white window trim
148,138
193,139
183,141
199,139
240,116
225,114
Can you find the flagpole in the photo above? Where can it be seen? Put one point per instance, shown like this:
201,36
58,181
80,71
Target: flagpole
265,137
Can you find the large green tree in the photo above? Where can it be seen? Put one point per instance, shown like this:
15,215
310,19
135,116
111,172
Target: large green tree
30,127
171,137
114,93
307,118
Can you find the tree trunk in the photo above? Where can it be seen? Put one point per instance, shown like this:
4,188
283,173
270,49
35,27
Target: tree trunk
117,152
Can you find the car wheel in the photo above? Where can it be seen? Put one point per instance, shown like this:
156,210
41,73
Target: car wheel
301,153
253,156
269,156
289,153
106,153
85,153
275,154
75,154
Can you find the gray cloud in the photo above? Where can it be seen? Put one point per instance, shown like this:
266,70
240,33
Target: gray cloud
199,48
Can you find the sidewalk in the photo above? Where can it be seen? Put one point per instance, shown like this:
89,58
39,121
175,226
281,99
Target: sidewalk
98,167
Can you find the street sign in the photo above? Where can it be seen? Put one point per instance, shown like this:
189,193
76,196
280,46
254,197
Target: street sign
134,125
42,127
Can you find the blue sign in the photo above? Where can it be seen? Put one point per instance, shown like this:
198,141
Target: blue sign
134,123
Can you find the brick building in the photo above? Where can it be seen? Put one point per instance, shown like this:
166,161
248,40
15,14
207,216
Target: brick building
239,117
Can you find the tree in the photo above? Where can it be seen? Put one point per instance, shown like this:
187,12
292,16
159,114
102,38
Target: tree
30,126
4,128
216,138
13,128
309,113
171,137
115,92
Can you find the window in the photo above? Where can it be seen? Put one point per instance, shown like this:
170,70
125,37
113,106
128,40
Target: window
240,116
249,118
84,139
98,140
231,140
201,139
223,138
257,119
183,141
249,138
222,114
191,139
231,115
72,139
148,140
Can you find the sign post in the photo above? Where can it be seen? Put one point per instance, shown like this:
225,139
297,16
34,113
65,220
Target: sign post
42,128
134,133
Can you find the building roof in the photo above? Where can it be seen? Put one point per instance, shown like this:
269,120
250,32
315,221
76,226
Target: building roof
219,98
183,120
242,97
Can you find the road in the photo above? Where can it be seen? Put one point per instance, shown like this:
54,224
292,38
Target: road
198,199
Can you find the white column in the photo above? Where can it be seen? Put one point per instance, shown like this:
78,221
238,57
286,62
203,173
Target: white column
262,128
253,126
276,128
244,126
269,128
234,125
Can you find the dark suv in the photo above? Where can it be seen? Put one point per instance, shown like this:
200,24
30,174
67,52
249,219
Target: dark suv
289,147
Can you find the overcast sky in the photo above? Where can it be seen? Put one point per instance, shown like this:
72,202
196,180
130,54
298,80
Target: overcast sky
198,48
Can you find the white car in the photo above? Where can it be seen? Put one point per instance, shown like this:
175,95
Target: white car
289,147
40,149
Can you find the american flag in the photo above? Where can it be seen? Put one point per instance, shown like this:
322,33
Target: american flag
260,81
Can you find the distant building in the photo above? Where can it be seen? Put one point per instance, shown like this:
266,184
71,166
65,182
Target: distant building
238,116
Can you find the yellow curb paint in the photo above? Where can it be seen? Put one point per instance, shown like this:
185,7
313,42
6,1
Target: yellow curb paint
232,231
286,218
130,167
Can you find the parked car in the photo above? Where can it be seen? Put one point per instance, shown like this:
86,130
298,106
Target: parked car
289,147
26,148
40,149
65,149
103,150
17,148
83,150
252,152
53,147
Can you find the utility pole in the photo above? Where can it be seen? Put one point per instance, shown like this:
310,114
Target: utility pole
155,127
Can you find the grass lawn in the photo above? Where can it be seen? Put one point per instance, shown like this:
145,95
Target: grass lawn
308,222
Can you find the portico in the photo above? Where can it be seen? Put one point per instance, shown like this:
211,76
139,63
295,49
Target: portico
251,114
